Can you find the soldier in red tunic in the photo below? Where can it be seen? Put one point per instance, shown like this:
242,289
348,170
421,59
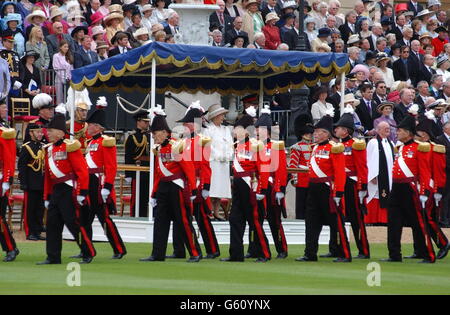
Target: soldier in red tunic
437,185
356,183
250,185
101,158
198,151
409,194
172,195
66,184
326,189
7,167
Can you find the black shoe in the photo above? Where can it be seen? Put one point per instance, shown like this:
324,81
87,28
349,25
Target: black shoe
229,259
194,259
262,260
12,255
342,260
391,260
41,238
87,260
329,255
118,256
443,252
80,256
212,256
248,256
426,261
306,258
282,255
361,256
413,256
32,238
173,256
151,258
47,262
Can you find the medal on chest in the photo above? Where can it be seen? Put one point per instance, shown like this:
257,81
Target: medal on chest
245,155
92,147
322,154
60,155
166,157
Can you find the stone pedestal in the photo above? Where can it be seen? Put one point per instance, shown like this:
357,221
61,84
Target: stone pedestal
194,23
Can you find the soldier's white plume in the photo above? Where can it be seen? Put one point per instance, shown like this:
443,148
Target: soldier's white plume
80,97
158,110
196,105
330,112
101,102
430,114
414,110
349,110
61,109
42,99
266,110
251,111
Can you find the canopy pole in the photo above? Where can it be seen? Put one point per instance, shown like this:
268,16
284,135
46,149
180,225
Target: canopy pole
152,105
342,92
72,117
261,95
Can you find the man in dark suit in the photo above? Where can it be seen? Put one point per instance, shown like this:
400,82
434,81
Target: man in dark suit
271,6
406,101
414,7
426,70
415,62
219,18
422,96
54,40
380,92
436,85
122,40
397,29
349,27
85,56
235,31
172,24
400,68
367,109
335,100
445,140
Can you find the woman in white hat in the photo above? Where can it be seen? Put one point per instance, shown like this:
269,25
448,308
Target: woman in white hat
252,21
113,22
388,75
221,155
36,18
271,31
98,34
349,99
147,11
443,63
142,37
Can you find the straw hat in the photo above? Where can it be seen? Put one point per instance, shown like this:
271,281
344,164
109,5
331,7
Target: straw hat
101,44
382,105
215,110
251,2
423,13
353,39
97,30
323,46
272,16
115,8
112,16
425,35
37,13
382,56
350,98
141,31
147,7
55,13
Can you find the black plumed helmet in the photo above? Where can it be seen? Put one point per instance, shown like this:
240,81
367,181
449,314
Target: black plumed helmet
58,122
326,122
426,125
408,123
191,115
159,123
245,121
303,124
346,120
97,117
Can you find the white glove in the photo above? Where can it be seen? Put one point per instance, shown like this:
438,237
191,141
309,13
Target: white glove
80,200
17,85
279,196
362,194
128,180
260,197
153,202
337,200
5,188
105,193
205,194
437,198
423,200
193,198
46,204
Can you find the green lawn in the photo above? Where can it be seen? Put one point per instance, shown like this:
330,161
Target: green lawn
129,276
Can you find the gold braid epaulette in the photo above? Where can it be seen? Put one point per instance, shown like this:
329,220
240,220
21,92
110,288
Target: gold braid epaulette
140,145
38,158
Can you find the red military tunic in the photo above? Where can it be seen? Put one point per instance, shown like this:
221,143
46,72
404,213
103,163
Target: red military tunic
356,161
101,158
438,166
80,132
7,154
198,151
328,164
413,165
64,163
273,156
247,163
171,165
299,158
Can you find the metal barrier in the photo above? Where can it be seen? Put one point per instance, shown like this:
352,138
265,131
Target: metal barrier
281,117
54,84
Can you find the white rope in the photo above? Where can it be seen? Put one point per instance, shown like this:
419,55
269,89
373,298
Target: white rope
131,112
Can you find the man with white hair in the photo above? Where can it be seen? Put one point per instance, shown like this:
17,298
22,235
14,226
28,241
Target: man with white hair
219,19
333,10
349,28
353,56
217,38
260,40
407,36
381,44
377,32
172,21
331,23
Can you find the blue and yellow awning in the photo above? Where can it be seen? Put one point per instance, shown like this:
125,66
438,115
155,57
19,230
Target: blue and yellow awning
184,68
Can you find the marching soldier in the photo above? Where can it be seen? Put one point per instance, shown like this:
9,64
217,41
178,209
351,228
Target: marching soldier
172,195
198,151
66,185
438,180
7,167
44,104
326,189
31,177
410,192
356,183
273,159
250,183
137,148
101,158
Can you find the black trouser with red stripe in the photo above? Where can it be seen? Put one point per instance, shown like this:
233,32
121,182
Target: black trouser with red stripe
318,214
404,206
201,211
33,212
62,211
355,216
171,206
245,209
6,239
97,208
